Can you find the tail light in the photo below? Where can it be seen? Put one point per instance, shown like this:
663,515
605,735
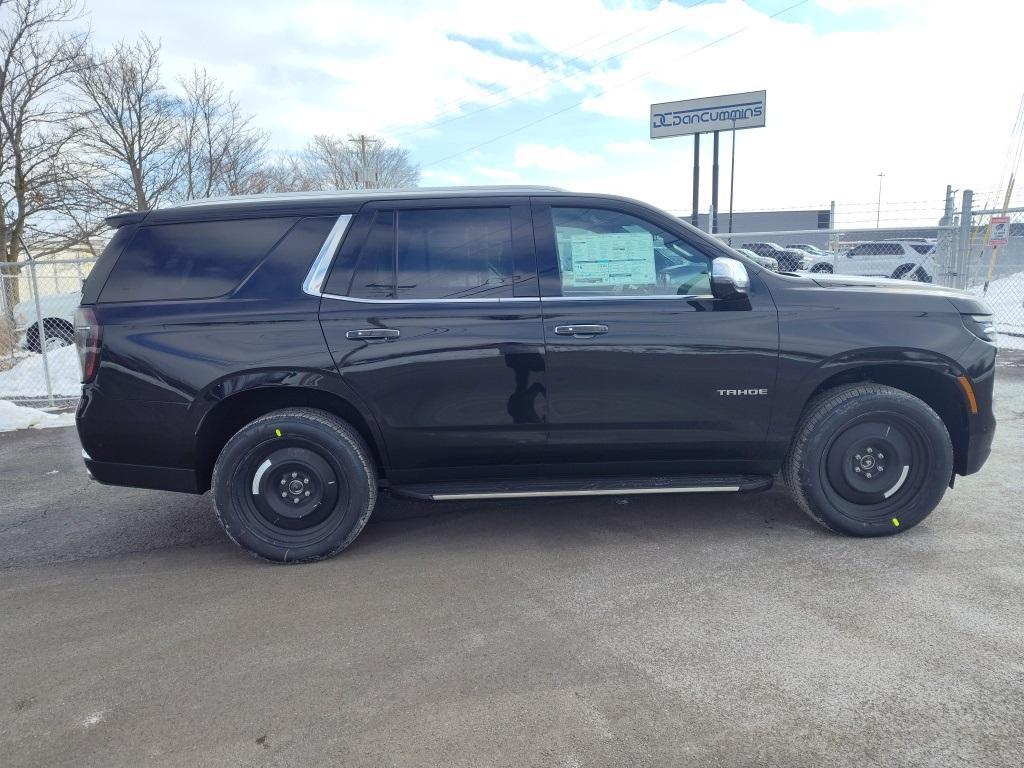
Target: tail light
88,339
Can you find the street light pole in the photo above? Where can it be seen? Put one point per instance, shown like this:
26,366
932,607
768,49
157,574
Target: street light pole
878,215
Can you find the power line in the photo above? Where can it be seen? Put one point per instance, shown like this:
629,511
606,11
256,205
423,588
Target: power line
461,102
603,91
554,81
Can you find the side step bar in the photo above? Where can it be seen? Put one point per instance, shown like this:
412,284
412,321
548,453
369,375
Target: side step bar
589,486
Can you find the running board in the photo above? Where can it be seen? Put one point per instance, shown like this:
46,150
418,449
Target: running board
589,486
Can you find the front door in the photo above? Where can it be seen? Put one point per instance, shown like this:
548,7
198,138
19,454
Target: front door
643,365
432,316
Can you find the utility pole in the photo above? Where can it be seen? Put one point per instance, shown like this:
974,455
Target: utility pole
362,140
714,186
878,215
694,217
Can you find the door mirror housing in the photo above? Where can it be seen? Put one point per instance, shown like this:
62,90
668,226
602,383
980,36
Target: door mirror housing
729,278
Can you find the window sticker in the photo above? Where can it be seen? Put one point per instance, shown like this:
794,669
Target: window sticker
612,259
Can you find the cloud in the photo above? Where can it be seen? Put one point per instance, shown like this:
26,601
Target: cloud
496,174
442,177
639,147
854,86
555,158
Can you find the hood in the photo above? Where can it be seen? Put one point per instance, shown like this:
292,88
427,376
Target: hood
962,300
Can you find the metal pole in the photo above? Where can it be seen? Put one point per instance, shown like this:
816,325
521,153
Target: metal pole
695,216
714,185
878,216
833,240
732,175
964,246
42,329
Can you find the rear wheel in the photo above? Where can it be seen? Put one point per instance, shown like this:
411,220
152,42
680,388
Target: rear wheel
869,460
908,272
57,332
294,486
827,268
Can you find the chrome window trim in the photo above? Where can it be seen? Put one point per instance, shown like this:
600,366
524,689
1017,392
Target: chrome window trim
481,300
509,299
314,282
672,296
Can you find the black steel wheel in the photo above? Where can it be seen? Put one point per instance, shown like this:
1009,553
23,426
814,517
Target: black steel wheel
57,332
295,485
869,460
820,268
905,272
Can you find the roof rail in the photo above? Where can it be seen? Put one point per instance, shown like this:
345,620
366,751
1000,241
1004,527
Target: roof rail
356,193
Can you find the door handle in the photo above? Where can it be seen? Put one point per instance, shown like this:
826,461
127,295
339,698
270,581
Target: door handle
373,334
580,331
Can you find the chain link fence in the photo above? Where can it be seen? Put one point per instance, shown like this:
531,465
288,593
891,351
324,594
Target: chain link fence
38,361
992,266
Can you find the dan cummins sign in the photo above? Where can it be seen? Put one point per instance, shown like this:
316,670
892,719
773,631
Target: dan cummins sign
710,113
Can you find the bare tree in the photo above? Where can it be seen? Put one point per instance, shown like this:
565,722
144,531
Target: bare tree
356,162
222,153
37,126
129,136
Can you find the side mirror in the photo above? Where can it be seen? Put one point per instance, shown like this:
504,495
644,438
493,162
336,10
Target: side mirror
729,278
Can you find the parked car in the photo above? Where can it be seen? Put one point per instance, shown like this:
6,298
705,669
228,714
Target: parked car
297,355
898,259
789,259
821,261
765,261
57,330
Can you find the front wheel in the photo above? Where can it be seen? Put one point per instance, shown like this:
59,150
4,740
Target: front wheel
869,460
294,486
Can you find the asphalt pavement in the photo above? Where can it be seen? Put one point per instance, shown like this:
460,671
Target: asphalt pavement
654,631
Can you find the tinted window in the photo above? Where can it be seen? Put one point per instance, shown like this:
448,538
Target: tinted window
921,247
607,253
286,266
191,261
374,275
454,253
99,273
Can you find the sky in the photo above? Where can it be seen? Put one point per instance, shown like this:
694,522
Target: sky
558,91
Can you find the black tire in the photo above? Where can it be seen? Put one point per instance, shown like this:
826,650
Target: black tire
831,444
58,333
826,268
903,271
294,486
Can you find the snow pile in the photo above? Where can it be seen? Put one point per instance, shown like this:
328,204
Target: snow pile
26,378
1006,298
14,417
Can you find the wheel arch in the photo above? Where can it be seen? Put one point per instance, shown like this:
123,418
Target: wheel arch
938,388
231,413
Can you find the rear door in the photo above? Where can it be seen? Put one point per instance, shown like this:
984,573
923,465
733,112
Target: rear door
643,365
432,315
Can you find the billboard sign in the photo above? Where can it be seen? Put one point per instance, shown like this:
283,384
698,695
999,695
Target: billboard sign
711,113
999,234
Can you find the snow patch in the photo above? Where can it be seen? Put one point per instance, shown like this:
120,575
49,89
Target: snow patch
14,417
26,379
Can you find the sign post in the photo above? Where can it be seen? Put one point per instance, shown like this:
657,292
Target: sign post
999,234
709,114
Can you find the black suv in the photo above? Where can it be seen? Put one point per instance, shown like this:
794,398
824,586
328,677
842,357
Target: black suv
298,354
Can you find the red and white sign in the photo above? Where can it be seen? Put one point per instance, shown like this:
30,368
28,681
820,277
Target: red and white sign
999,230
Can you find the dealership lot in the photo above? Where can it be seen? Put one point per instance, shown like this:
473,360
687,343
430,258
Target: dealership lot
674,630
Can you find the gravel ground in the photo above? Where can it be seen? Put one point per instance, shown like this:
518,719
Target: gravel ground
659,631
